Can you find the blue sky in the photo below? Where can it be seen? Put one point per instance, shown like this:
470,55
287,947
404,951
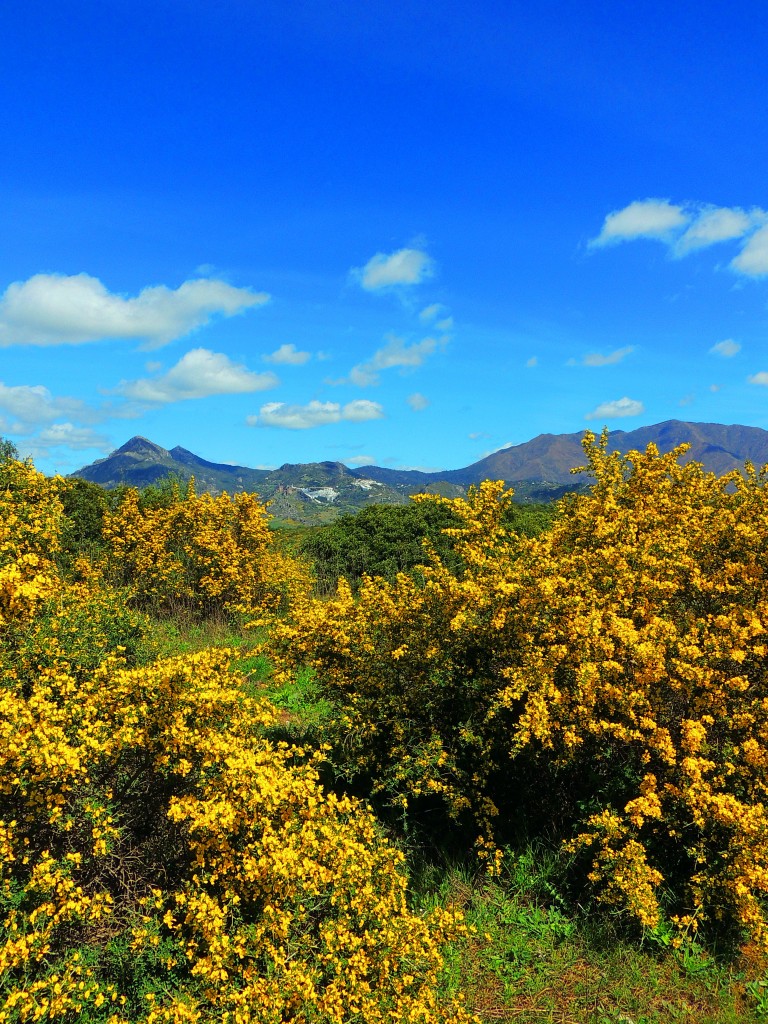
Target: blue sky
406,234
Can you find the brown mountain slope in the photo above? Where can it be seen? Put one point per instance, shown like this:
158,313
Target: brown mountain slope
551,456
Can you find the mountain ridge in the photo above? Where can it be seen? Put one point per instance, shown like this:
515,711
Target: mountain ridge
550,457
538,469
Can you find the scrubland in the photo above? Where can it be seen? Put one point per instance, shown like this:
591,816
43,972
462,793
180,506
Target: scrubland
518,775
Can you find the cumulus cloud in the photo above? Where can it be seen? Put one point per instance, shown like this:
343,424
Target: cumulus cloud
598,359
288,355
615,410
688,227
314,414
28,406
396,353
753,258
533,361
759,378
715,224
645,218
67,435
727,348
198,374
404,267
53,309
360,460
417,401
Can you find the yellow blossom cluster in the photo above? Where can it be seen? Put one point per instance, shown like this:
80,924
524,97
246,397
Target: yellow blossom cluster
625,649
50,623
145,811
30,518
163,859
199,552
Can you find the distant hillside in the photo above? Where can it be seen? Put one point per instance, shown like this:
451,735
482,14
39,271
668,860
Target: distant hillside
313,492
549,458
140,462
307,493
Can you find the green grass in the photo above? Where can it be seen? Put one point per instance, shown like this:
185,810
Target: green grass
187,635
529,959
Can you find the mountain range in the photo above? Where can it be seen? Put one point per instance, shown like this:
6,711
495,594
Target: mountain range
539,469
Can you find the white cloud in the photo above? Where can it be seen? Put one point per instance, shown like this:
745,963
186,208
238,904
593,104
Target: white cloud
314,414
753,258
530,363
198,374
28,406
417,402
645,218
727,348
716,224
52,309
431,312
288,355
394,354
406,266
67,435
598,359
360,460
759,378
614,410
692,226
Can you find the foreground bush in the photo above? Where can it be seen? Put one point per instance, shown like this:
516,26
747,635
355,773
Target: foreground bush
622,654
161,860
30,523
49,623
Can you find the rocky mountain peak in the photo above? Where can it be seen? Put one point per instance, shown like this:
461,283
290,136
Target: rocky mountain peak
141,447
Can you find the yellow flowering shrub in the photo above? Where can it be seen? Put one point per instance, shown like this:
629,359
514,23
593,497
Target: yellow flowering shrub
30,518
199,552
49,622
413,667
624,652
161,858
73,632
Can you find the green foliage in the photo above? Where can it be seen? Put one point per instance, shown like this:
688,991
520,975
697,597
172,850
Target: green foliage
85,505
75,633
8,451
164,493
529,520
381,540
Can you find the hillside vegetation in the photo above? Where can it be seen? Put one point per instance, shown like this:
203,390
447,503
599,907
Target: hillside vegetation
486,762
